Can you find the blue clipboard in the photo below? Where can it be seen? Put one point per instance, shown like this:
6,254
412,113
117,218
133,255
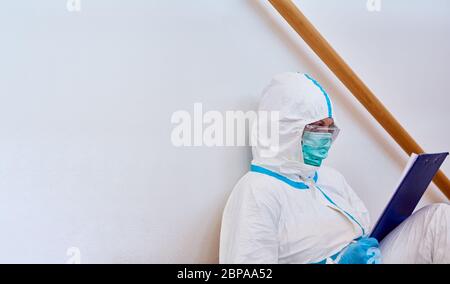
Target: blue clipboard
408,194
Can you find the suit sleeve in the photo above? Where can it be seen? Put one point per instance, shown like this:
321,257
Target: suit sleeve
249,233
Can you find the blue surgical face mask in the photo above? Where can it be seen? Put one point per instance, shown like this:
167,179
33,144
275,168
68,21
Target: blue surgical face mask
315,146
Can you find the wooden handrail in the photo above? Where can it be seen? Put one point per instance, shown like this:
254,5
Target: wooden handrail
348,77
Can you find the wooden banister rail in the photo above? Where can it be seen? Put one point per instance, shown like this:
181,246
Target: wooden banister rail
348,77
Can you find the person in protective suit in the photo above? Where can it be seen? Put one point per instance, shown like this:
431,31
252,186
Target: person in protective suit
291,209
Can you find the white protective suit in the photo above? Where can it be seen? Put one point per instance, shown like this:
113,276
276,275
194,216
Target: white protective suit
284,211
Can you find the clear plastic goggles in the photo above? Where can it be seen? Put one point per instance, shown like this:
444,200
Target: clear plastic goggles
333,130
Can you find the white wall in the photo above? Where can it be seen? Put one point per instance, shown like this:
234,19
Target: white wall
86,100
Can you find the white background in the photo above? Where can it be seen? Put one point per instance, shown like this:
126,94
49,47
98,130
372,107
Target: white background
86,99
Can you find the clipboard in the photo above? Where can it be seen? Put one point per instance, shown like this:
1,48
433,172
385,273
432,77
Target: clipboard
416,178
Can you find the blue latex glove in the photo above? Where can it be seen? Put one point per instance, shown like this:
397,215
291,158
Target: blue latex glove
363,251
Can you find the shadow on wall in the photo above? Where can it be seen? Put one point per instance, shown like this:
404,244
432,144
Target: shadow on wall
358,116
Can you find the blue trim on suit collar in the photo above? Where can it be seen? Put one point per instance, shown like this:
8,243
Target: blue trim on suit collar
294,184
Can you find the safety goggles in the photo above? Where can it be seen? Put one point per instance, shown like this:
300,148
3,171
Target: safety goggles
333,130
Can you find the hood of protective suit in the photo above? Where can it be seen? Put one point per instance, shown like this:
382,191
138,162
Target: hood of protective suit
300,101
